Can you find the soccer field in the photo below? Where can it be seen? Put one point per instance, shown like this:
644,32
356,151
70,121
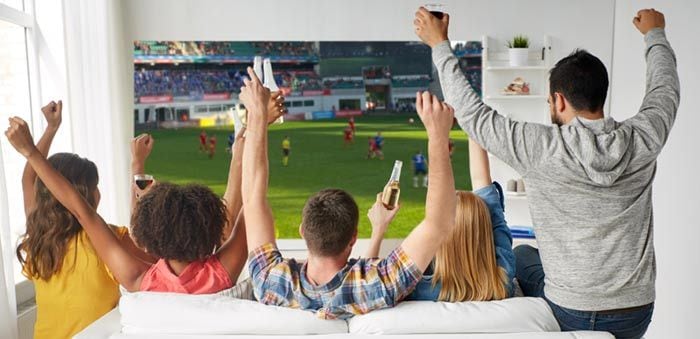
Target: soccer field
318,160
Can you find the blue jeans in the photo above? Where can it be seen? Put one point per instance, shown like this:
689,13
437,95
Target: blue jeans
622,324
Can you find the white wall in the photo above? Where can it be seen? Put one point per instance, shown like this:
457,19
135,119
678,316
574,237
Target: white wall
373,20
676,199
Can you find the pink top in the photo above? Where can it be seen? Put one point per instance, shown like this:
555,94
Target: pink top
199,277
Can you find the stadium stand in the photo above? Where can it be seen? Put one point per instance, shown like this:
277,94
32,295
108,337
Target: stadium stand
421,81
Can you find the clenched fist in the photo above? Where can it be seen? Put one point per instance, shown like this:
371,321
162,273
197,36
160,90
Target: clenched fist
648,19
20,138
53,113
436,116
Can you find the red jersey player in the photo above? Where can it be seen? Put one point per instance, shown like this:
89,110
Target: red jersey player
371,151
351,123
203,141
348,136
212,146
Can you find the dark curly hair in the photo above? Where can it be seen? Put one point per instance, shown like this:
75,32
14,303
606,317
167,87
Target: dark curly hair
179,222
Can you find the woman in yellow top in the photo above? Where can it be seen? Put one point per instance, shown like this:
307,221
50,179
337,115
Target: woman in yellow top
73,286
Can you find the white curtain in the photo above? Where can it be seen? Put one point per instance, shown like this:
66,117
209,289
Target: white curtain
8,304
99,89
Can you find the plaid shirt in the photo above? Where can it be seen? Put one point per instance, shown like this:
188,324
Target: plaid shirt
361,286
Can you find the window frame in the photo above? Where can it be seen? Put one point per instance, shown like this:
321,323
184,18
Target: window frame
26,18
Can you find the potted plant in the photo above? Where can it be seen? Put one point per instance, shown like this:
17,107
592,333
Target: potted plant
518,50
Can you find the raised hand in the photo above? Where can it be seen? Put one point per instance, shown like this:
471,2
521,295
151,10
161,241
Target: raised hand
141,148
648,19
437,116
275,107
20,138
430,29
53,113
380,217
255,97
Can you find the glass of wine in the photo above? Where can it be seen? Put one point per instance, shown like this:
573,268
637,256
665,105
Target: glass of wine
437,10
143,181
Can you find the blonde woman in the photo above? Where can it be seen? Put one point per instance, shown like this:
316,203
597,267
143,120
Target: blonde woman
477,263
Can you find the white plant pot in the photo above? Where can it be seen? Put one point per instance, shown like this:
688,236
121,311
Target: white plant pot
518,56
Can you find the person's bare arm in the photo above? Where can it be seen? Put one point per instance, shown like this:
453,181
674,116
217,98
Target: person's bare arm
479,168
127,269
128,243
260,228
232,195
234,251
141,148
380,218
440,203
53,112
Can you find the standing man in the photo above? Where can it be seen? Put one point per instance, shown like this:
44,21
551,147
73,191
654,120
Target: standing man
286,147
212,146
347,137
378,144
451,147
420,167
589,179
351,124
203,141
371,148
231,140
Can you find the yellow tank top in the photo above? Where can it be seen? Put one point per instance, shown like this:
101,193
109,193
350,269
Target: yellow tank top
286,144
80,293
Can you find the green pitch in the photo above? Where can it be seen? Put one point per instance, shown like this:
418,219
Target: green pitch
318,160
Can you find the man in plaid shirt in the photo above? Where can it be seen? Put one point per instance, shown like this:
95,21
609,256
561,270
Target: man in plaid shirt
328,282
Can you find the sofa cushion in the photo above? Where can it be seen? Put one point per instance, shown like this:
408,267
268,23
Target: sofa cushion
172,313
420,317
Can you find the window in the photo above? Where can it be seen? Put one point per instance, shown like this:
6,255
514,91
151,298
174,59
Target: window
296,103
15,4
308,103
14,101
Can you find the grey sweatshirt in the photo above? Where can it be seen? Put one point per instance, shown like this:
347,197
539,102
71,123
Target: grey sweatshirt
589,183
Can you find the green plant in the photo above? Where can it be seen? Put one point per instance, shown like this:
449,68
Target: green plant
519,41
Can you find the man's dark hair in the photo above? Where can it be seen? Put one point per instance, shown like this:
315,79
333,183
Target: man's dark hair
582,79
329,221
177,222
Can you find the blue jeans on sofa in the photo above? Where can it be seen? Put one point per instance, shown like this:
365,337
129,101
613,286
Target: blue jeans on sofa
627,323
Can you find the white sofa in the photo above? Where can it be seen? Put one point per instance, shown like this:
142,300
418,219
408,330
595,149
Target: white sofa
164,315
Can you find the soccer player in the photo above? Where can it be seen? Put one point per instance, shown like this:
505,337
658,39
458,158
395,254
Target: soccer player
348,139
212,146
451,147
371,149
378,144
231,140
351,124
420,167
203,141
286,147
